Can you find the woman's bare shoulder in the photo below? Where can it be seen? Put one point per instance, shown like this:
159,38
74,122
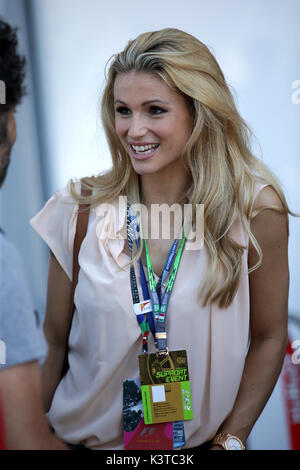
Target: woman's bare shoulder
267,197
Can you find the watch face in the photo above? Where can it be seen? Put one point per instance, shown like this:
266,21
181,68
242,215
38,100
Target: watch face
233,444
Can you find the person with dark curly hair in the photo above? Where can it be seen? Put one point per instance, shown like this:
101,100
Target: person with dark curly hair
21,343
12,76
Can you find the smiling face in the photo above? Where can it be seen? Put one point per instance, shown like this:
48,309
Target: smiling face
152,121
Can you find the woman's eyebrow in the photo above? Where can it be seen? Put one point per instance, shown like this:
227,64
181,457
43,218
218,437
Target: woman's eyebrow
145,102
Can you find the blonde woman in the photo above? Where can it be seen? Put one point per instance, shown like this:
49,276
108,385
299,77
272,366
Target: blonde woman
175,137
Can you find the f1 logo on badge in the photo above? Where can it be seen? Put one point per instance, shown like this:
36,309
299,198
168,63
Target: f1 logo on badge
2,352
149,431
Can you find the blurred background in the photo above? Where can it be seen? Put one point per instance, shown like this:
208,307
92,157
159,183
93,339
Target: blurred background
67,44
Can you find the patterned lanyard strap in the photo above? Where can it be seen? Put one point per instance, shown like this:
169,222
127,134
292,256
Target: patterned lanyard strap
146,324
160,308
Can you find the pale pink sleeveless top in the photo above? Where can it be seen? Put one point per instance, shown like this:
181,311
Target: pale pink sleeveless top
105,338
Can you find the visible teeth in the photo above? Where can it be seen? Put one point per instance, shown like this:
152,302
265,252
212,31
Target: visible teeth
146,152
144,148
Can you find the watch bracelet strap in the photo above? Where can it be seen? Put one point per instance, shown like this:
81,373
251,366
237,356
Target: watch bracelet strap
220,437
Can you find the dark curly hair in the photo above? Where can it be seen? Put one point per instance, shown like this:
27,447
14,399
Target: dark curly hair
12,67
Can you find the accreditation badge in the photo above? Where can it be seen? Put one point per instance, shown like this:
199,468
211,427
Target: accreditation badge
165,387
138,435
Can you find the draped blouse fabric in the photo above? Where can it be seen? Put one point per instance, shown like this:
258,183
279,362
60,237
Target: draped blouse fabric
105,339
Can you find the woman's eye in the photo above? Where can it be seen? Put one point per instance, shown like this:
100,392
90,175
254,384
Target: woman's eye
156,110
122,110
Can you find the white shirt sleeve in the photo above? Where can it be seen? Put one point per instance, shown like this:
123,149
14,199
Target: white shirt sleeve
56,224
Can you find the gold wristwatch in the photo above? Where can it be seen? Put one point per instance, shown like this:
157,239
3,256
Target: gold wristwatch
228,442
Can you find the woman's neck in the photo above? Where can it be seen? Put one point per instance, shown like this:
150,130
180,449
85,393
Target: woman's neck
164,188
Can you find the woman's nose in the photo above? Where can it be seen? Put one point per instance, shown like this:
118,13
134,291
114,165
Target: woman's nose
137,127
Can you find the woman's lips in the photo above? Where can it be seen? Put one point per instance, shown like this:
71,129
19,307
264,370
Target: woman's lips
141,156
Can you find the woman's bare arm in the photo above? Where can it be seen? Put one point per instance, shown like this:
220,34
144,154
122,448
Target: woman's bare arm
269,286
56,328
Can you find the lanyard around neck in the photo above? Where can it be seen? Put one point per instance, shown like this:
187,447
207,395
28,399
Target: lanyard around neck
146,324
160,308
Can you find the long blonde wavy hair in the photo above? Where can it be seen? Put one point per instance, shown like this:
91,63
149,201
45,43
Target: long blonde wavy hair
218,154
